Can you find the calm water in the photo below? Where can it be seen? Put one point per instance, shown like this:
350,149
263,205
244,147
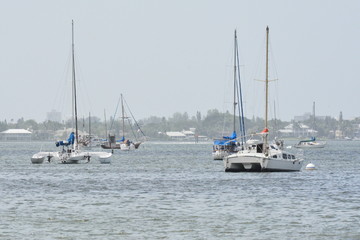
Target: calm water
176,191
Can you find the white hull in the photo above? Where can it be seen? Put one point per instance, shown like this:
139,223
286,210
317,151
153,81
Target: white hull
124,147
258,162
71,156
37,159
219,155
311,145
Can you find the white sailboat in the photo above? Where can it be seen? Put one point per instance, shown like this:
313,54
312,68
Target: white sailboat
227,145
70,151
311,143
262,156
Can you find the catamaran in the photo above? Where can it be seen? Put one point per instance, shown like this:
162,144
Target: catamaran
70,151
262,156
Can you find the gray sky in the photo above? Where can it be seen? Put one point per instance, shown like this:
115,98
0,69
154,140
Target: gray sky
176,56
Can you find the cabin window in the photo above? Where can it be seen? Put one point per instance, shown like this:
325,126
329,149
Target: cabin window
284,156
292,156
275,156
259,148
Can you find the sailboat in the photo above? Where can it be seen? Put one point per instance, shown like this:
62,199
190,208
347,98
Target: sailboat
70,151
123,143
311,143
227,145
262,156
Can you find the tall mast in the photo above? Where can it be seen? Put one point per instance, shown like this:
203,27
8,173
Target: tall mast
267,77
239,94
235,52
123,117
266,89
74,85
314,116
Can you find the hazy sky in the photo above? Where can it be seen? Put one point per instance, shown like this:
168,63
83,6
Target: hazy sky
176,56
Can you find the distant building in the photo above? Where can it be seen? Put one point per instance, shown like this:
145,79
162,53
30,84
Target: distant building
54,116
176,135
297,130
16,135
187,135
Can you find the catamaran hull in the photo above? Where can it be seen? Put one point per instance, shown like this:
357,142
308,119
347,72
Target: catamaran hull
260,164
219,154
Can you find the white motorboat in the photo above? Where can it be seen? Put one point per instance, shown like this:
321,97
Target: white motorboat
70,152
262,156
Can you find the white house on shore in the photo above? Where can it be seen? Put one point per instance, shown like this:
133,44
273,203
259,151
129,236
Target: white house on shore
297,130
186,135
20,135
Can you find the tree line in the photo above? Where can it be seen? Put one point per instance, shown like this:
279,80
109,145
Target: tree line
213,125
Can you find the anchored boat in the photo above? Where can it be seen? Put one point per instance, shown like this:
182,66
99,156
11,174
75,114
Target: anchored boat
262,156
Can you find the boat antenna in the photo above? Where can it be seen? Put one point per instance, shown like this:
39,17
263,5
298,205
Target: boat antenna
74,84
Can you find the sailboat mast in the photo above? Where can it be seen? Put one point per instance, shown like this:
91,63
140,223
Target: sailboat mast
267,78
123,117
235,39
74,85
314,123
266,90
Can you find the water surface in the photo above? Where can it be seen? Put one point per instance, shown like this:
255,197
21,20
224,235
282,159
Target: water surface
176,191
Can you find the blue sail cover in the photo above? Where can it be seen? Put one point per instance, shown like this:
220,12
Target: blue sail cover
121,140
70,141
233,136
227,140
